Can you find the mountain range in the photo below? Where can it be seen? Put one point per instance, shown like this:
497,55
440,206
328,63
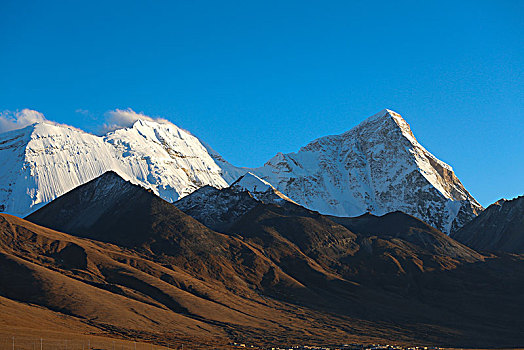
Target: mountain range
114,256
376,167
498,228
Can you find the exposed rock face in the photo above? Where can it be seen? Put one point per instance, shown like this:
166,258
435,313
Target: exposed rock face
376,167
498,228
219,208
259,189
216,208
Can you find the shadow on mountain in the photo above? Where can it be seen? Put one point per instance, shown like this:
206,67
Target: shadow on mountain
275,273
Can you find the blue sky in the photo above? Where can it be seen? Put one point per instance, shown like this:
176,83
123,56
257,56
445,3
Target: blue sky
253,78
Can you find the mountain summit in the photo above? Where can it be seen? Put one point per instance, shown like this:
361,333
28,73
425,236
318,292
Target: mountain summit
378,167
498,228
259,189
220,208
44,160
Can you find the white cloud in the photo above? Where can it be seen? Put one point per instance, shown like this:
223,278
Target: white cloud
10,120
112,120
125,118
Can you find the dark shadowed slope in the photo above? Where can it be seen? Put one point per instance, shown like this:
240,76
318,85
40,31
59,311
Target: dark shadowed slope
301,274
218,209
112,210
392,252
95,286
328,240
398,227
499,228
115,211
396,255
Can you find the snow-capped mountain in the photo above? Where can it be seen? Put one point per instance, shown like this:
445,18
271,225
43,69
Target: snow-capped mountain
43,161
260,190
218,208
378,167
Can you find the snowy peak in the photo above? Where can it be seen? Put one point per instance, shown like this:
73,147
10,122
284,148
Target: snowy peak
219,208
392,130
171,159
387,123
383,114
378,167
260,189
155,131
252,183
46,160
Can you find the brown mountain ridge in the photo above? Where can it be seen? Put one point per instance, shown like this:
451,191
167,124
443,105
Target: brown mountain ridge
498,228
135,264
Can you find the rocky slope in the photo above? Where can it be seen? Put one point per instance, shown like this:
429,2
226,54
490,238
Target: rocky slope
219,208
378,167
278,272
498,228
332,241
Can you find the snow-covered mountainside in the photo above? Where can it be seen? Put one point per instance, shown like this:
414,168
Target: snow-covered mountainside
378,167
260,190
218,208
45,160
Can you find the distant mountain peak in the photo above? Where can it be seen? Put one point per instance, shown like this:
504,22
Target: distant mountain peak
390,121
217,208
385,113
251,182
46,160
500,227
377,166
260,189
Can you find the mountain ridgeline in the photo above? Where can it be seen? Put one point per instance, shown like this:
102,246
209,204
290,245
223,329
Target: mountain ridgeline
498,228
147,233
377,167
248,264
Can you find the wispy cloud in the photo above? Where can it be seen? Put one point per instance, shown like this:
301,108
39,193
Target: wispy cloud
110,121
125,118
11,120
82,111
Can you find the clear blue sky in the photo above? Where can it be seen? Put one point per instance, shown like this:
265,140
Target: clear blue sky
252,78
